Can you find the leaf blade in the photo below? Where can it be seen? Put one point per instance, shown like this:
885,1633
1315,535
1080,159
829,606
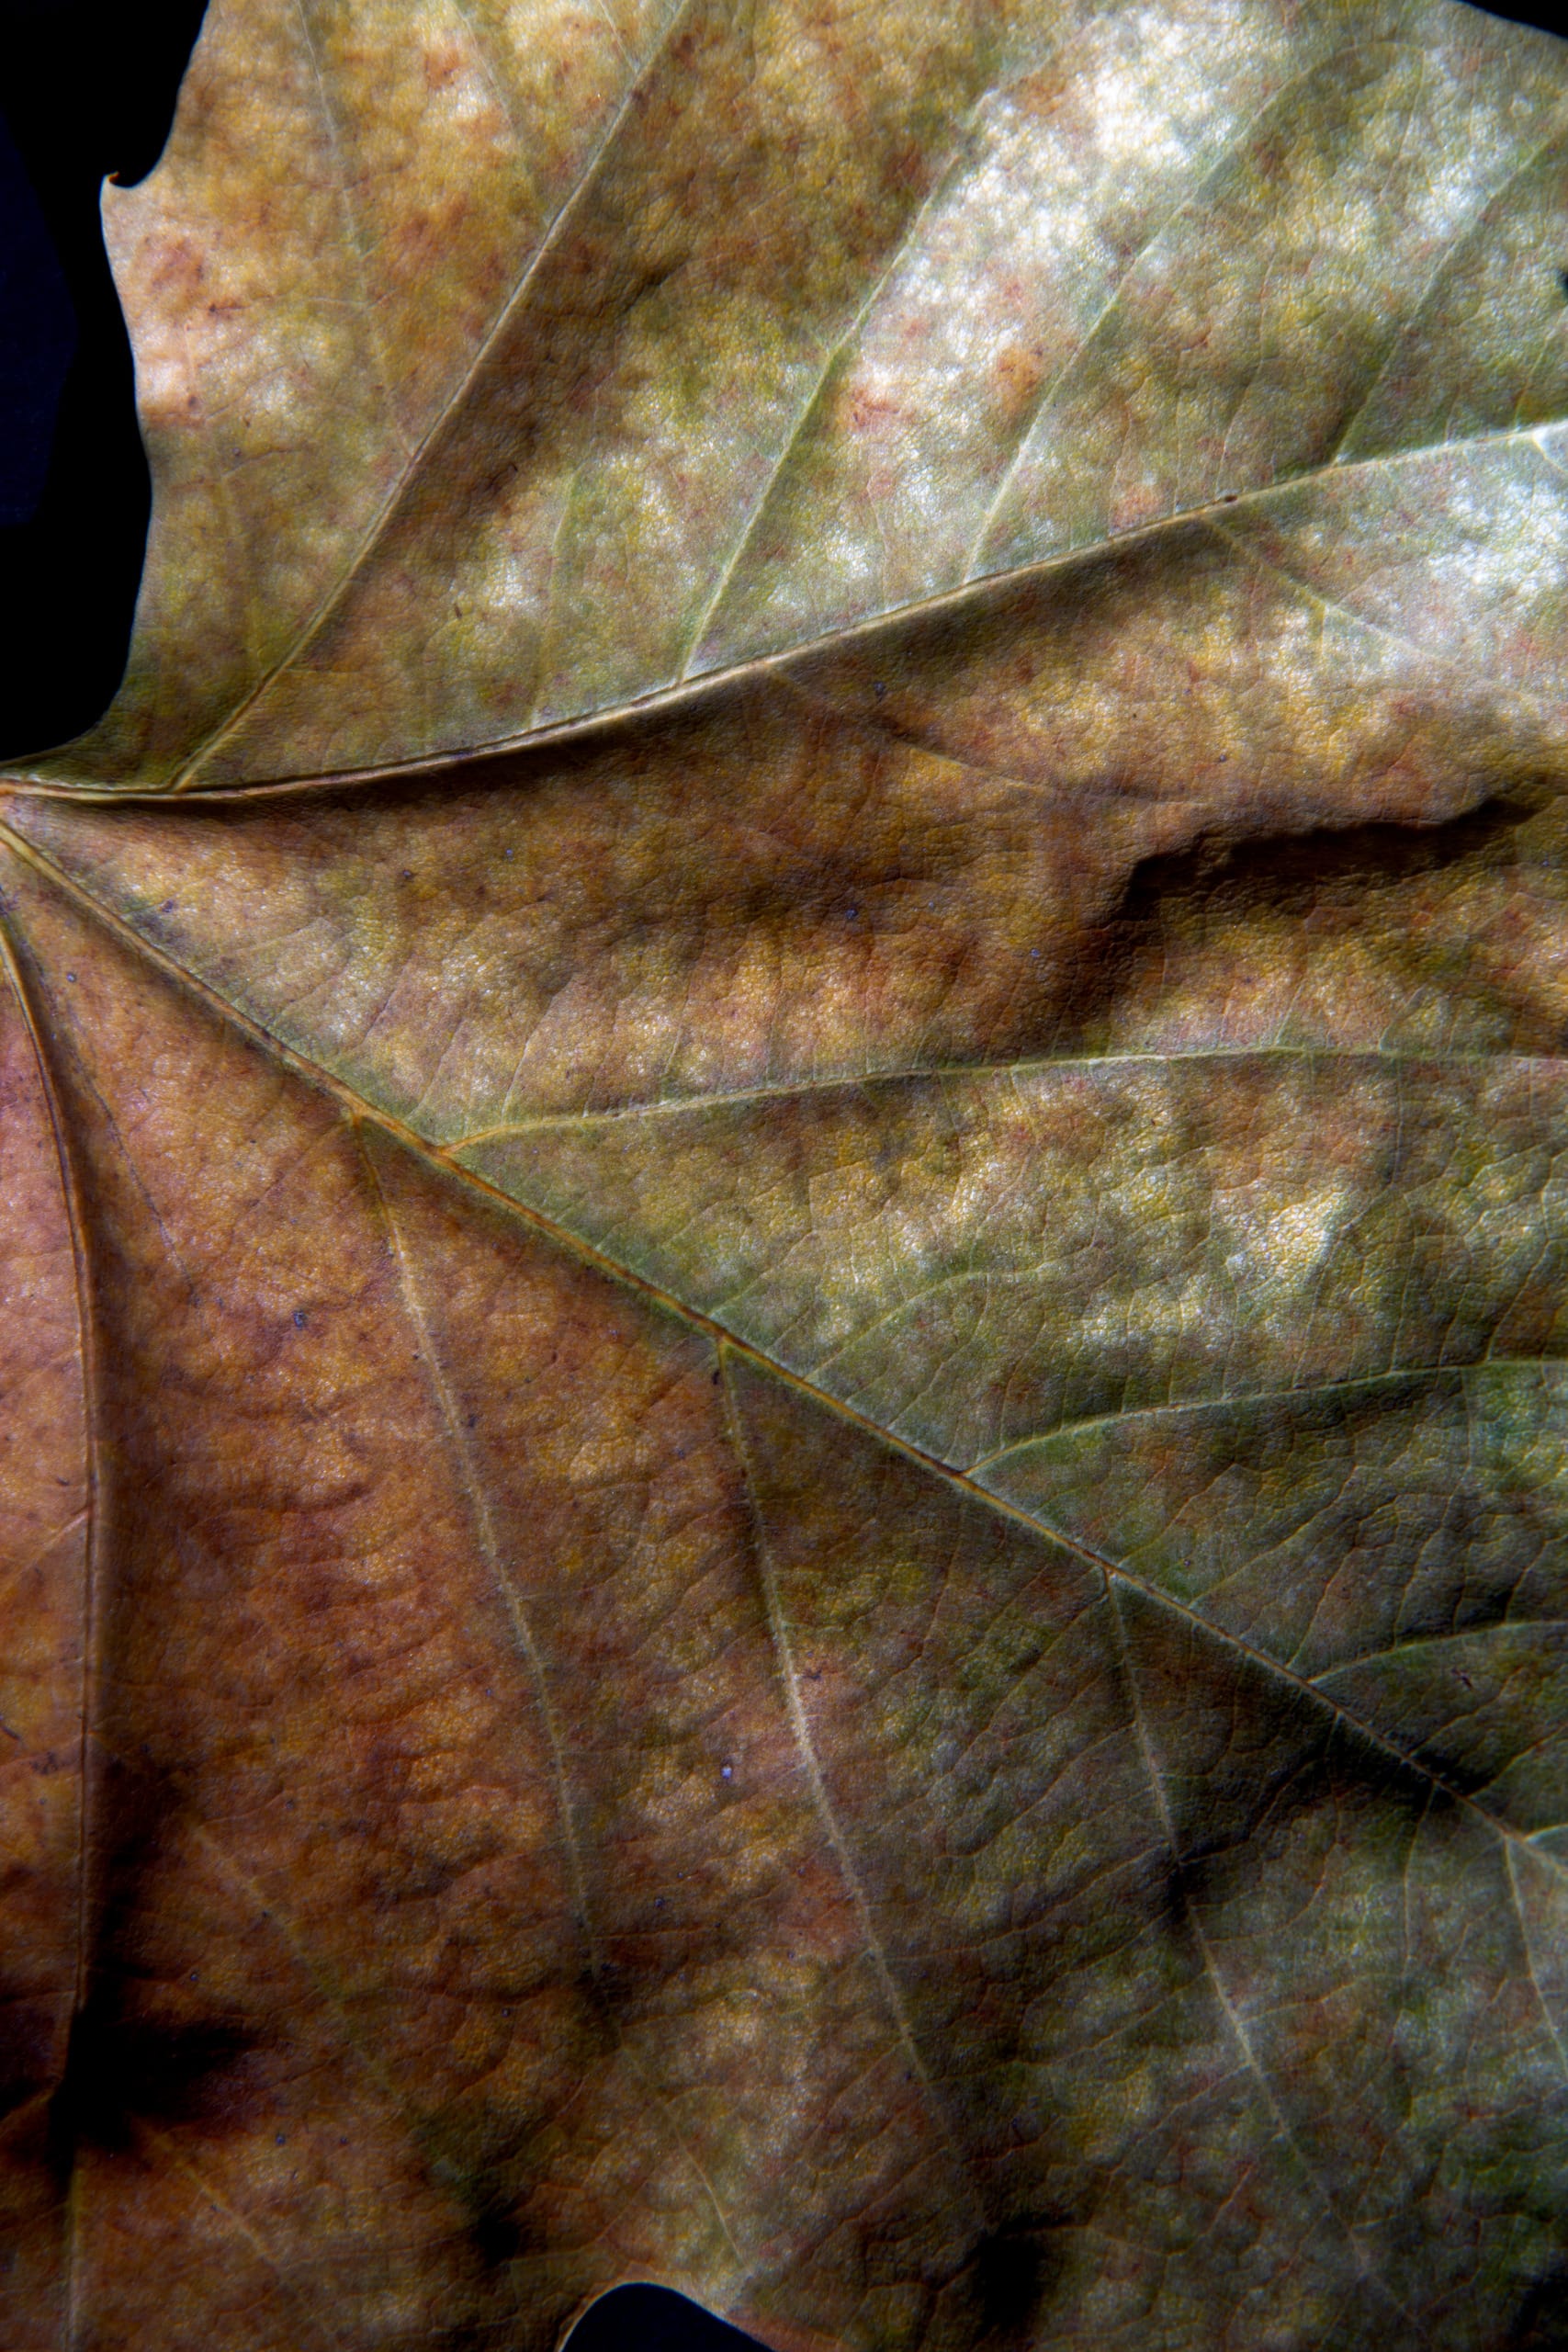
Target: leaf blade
831,1537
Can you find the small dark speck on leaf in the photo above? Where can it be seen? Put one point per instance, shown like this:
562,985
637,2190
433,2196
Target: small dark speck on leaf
406,874
1229,497
726,1772
506,852
1563,280
299,1319
473,1420
850,913
878,689
72,978
282,2139
168,908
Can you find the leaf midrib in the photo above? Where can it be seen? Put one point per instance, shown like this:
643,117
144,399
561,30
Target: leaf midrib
690,694
358,1109
941,1074
11,976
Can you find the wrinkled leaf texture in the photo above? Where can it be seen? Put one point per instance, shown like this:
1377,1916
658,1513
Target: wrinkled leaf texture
784,1489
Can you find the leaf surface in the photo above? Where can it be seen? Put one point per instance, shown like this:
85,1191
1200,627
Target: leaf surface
785,1502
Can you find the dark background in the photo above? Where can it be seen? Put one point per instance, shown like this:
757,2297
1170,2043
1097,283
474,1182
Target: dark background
88,91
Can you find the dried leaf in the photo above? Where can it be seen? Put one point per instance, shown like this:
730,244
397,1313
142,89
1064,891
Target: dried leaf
786,1503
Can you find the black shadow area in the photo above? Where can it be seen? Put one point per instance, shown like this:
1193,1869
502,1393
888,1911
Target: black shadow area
87,92
652,2319
1547,20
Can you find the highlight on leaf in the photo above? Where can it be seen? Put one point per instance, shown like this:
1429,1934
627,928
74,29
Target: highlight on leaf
785,1502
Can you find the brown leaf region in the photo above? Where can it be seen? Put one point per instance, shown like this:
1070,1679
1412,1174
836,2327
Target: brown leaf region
784,1504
